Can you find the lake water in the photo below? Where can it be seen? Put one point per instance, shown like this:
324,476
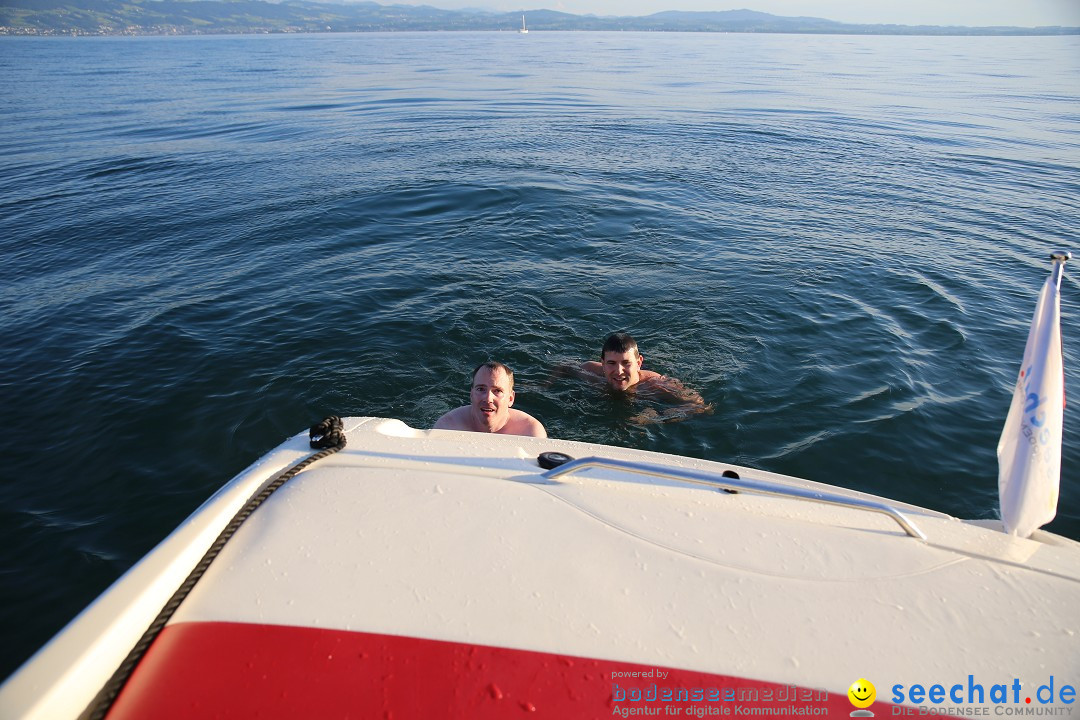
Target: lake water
209,243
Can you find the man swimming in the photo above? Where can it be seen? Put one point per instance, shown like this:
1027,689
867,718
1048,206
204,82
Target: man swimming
620,368
489,409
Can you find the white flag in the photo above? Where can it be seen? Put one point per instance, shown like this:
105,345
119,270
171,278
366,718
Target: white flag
1029,451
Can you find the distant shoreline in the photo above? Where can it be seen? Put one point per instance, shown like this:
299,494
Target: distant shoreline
972,32
258,17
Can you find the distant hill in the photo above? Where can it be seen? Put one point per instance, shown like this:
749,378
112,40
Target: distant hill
161,17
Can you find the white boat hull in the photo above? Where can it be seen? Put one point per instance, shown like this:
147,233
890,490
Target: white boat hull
439,573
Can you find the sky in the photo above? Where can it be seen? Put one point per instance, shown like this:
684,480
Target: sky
1021,13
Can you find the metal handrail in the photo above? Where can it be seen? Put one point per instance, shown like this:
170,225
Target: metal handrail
752,486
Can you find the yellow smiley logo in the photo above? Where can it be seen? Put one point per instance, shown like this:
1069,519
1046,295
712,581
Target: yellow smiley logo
862,693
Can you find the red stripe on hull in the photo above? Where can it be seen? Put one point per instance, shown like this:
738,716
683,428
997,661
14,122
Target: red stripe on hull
234,670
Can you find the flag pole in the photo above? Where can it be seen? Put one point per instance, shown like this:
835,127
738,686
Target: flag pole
1059,258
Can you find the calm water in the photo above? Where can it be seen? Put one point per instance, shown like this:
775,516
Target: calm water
210,243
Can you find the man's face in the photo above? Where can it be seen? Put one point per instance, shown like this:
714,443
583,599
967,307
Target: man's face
621,370
492,395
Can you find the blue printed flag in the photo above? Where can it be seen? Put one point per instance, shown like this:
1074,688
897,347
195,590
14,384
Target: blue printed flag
1029,451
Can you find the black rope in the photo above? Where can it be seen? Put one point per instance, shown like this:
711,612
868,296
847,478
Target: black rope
329,435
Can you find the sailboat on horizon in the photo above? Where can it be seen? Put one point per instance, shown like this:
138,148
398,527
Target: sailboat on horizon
524,30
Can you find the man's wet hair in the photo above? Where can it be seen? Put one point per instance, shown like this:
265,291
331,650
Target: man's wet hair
619,342
492,365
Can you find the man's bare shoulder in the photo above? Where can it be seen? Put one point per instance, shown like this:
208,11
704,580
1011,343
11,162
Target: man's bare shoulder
456,419
522,423
588,370
672,389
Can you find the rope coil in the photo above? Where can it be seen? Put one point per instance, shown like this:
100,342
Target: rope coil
328,433
329,437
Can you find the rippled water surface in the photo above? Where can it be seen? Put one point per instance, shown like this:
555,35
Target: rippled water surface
210,243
